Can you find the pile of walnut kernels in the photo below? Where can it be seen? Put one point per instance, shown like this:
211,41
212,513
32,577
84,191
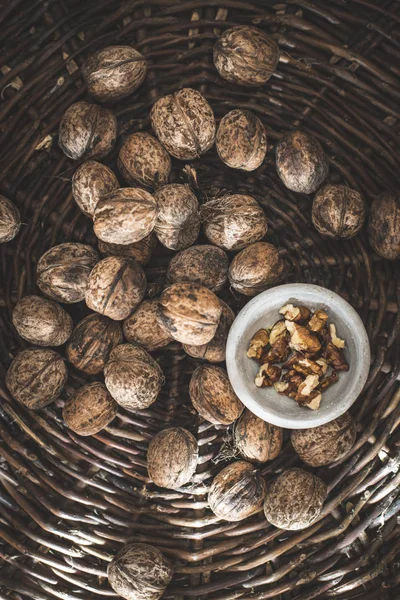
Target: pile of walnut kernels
305,346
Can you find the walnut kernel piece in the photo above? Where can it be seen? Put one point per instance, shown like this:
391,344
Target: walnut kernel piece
335,357
328,381
277,353
267,375
301,339
257,343
308,385
281,386
323,364
315,401
336,341
278,331
317,321
306,366
298,314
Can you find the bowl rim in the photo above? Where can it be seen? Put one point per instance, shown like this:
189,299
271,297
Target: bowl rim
243,321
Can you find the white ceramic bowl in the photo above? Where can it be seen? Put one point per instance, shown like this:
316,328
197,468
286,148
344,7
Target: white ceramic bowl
262,312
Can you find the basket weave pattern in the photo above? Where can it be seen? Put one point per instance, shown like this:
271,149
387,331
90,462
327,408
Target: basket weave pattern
67,503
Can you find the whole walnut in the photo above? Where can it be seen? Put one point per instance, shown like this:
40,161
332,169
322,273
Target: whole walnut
327,443
62,272
36,377
143,328
234,221
133,377
237,492
215,350
295,499
245,55
142,159
241,140
212,395
91,181
301,162
41,322
384,226
87,131
116,286
172,458
125,216
139,572
338,211
255,268
114,72
90,409
206,265
184,123
189,312
10,220
91,343
141,250
178,223
256,439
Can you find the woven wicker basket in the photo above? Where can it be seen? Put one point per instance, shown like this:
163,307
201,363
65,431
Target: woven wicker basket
68,503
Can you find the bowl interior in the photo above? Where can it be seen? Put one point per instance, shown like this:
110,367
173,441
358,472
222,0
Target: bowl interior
262,312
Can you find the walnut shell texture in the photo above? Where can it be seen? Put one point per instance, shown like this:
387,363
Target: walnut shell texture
237,492
141,250
212,395
91,343
178,223
295,499
90,409
91,181
143,328
143,159
206,265
41,322
384,226
87,131
63,272
338,211
125,216
36,377
301,162
133,377
256,439
184,123
139,572
116,286
327,443
234,221
245,55
255,268
189,312
172,458
241,140
10,220
114,72
215,350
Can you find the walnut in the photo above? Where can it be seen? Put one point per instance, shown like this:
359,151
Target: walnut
317,321
338,211
142,327
92,181
281,386
246,56
142,159
90,409
295,499
336,341
178,223
114,72
298,314
172,458
306,366
10,220
91,343
278,352
384,226
258,342
184,123
116,286
41,322
206,265
278,332
87,131
36,377
301,339
335,357
212,395
267,375
313,400
125,216
214,350
133,377
256,440
255,268
237,492
301,162
307,386
233,221
328,381
62,272
241,140
141,250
